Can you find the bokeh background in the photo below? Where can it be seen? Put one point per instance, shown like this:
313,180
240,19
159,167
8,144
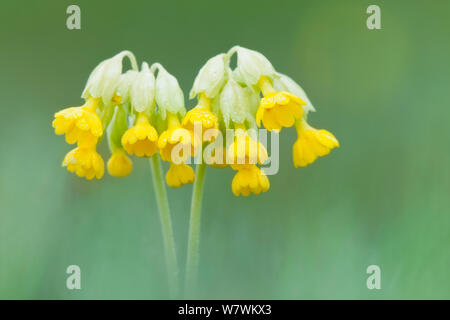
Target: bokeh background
382,198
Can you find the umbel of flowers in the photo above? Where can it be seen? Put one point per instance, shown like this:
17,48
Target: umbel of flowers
252,95
141,115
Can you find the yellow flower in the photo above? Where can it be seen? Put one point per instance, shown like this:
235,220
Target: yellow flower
85,162
80,124
311,144
119,165
142,139
201,114
277,109
179,174
173,136
248,180
245,151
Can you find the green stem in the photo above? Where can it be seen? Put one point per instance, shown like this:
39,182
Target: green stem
194,229
166,224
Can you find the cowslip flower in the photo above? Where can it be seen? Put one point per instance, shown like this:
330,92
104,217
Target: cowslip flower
206,87
179,174
249,180
142,138
80,124
277,109
175,136
201,114
176,144
119,165
311,144
245,152
85,162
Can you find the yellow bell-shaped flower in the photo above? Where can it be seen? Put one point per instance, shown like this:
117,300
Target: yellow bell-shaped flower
202,115
249,179
277,109
179,174
80,124
311,143
119,165
85,162
142,138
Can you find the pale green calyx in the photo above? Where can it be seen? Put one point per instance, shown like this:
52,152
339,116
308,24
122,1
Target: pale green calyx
117,128
233,103
251,65
142,93
126,81
169,95
252,100
210,78
285,83
104,80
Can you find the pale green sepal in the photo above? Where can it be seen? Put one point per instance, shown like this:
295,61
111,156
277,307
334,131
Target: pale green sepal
104,80
285,83
143,91
126,81
169,95
252,65
233,103
117,128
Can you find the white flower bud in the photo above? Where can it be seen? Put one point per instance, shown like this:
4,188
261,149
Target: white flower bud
233,103
126,81
210,78
143,91
251,65
103,81
169,95
284,83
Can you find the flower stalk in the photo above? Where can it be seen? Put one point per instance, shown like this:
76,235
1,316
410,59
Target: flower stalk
194,229
166,225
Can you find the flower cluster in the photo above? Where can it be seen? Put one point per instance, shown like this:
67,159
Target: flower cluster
244,98
140,114
143,115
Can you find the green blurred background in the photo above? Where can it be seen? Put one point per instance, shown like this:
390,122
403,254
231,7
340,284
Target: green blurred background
382,198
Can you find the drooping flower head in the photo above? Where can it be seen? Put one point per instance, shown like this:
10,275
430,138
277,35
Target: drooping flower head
233,103
86,124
